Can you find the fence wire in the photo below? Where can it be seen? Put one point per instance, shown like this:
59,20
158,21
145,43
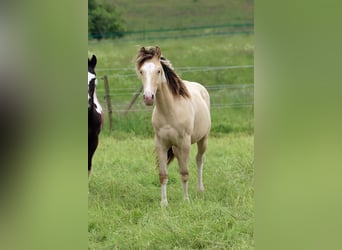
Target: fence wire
131,71
223,96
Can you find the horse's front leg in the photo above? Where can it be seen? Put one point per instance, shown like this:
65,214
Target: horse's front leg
182,153
161,152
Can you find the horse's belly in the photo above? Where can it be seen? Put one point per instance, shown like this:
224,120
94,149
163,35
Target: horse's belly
199,134
202,125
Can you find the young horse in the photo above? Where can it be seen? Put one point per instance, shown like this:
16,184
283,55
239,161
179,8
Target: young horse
181,116
95,114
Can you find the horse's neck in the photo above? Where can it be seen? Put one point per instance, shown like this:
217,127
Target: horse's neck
96,101
164,99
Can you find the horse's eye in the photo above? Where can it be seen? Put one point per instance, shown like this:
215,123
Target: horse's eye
158,72
140,72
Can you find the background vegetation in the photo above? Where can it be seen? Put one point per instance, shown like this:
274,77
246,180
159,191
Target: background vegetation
116,60
124,193
118,18
104,21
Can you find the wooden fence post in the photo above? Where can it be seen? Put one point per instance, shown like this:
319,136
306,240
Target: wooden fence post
133,100
109,102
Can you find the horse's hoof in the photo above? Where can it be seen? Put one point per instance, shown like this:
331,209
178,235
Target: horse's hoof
164,203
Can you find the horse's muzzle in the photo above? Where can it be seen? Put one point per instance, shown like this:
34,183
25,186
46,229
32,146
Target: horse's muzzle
148,99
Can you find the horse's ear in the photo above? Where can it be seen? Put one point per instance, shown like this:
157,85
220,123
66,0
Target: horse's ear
142,49
92,61
158,52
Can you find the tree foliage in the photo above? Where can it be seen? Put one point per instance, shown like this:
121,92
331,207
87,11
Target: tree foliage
104,21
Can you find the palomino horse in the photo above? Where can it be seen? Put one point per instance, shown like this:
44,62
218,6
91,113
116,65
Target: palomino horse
181,116
95,114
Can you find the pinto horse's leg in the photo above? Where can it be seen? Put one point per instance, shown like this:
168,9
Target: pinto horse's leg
90,156
92,145
201,148
183,154
161,152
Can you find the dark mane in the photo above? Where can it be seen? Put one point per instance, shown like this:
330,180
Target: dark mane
175,84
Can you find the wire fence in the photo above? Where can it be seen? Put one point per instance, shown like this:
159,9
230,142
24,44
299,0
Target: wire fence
223,96
130,71
181,32
123,100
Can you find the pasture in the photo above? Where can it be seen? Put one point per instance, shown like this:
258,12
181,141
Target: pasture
116,60
153,14
124,192
124,198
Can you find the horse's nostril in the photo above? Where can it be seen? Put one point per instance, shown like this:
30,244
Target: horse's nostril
144,96
152,96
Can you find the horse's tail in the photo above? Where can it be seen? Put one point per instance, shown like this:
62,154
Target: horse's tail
170,156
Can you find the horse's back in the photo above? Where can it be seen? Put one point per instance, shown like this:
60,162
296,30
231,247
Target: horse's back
200,100
199,90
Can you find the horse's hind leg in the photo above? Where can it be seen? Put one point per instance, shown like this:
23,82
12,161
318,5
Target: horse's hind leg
201,148
90,159
93,141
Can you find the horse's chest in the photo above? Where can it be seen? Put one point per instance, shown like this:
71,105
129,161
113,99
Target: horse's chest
172,133
175,125
167,132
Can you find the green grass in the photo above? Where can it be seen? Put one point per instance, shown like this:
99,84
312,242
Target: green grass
124,193
124,197
152,14
189,52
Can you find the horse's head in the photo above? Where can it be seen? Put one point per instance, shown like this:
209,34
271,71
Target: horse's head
150,71
91,80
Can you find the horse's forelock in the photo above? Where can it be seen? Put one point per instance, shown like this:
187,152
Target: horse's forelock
146,54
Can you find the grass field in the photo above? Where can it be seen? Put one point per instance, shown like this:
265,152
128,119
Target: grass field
116,60
124,198
152,14
124,193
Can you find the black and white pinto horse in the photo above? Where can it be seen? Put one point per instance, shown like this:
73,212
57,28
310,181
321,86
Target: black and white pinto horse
95,113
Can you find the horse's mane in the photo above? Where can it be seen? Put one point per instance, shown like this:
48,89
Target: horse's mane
175,84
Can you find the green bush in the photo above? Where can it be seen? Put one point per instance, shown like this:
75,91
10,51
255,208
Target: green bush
104,21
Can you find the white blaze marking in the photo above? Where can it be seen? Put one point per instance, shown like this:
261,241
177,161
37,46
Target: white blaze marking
148,68
96,101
